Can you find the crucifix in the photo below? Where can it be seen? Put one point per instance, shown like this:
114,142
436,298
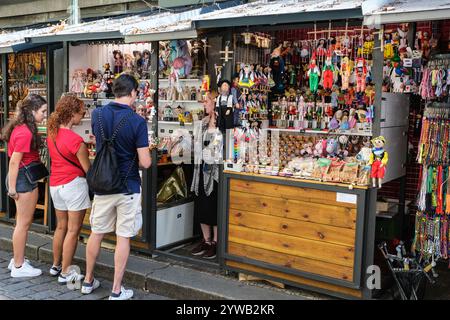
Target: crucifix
226,53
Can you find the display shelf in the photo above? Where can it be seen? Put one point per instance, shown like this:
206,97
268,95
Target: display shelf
181,101
176,123
181,80
344,185
311,131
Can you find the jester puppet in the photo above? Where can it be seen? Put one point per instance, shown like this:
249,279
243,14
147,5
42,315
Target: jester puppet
378,161
313,74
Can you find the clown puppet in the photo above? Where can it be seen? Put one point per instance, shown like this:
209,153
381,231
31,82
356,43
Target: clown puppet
313,74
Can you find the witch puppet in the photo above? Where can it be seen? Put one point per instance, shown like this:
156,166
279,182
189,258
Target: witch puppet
378,161
225,106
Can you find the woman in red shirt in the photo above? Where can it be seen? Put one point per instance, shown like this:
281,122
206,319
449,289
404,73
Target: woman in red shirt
68,187
23,148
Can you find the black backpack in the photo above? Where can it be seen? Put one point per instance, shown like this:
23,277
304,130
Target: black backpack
103,176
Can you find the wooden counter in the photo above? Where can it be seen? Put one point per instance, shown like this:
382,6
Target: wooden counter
302,233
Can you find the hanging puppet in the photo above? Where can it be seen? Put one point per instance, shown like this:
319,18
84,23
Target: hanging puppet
313,74
128,63
246,78
118,62
145,64
225,106
277,67
137,67
346,70
328,73
198,57
378,161
361,73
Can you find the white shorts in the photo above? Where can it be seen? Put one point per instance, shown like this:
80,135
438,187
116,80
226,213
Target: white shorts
117,212
72,196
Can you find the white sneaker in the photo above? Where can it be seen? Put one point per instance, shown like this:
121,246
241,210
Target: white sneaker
72,276
26,270
87,288
11,263
124,294
55,270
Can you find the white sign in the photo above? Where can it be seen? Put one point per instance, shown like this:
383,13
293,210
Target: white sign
346,197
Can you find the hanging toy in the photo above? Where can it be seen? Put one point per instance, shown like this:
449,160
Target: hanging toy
246,77
361,72
388,47
378,161
346,70
313,74
328,71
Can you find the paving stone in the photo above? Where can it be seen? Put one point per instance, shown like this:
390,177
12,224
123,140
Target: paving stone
39,280
21,293
44,294
17,286
71,295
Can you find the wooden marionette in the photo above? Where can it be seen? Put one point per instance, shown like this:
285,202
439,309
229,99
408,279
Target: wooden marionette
378,161
328,71
118,62
128,63
388,46
313,74
345,72
246,78
361,72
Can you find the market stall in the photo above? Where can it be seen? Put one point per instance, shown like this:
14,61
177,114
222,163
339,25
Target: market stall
298,201
27,68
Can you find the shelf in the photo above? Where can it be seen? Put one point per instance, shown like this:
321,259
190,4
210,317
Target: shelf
166,164
347,133
175,123
181,80
180,101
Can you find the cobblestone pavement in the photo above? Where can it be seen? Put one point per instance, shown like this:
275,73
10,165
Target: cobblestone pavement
46,287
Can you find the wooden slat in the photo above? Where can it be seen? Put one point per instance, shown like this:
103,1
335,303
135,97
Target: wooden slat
300,210
290,261
300,280
296,228
326,252
310,181
288,192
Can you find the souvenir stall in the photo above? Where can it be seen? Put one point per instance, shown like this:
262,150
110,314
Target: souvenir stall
313,140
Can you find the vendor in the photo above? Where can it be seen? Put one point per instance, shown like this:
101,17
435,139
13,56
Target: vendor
225,106
209,140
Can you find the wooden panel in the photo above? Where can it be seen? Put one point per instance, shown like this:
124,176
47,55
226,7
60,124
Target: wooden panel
327,252
296,228
287,192
338,216
300,280
290,261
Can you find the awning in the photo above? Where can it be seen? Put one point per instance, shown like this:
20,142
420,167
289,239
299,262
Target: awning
401,11
281,12
15,41
171,26
101,29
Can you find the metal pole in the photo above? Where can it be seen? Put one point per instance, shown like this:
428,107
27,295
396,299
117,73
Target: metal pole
74,12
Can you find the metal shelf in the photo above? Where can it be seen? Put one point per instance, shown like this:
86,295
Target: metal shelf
311,131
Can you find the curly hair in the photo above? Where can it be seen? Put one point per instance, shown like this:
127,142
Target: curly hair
24,115
66,108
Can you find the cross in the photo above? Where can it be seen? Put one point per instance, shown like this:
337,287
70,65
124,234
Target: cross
226,53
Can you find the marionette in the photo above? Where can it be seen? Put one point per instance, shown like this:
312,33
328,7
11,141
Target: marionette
361,72
277,67
403,33
205,84
77,82
145,64
118,62
198,57
388,47
128,63
345,72
368,45
328,71
321,49
246,78
313,74
225,106
137,67
378,161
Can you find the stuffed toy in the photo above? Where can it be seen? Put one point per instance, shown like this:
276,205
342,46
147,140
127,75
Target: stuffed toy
335,123
320,148
378,161
332,147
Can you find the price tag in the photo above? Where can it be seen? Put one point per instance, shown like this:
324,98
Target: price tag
346,197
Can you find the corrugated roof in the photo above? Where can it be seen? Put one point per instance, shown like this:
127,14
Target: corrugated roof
11,39
398,11
264,7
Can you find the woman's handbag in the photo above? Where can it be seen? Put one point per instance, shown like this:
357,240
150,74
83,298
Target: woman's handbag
35,172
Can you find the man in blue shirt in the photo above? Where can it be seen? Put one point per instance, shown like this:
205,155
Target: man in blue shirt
120,212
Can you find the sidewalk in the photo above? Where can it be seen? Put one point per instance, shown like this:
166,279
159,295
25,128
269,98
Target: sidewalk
162,278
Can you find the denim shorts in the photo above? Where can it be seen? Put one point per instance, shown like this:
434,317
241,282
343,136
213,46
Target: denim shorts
23,185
